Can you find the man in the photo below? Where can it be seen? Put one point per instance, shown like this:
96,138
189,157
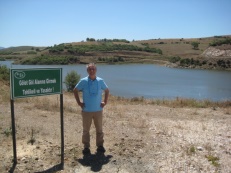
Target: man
92,106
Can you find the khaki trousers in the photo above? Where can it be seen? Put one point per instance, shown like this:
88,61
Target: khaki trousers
87,118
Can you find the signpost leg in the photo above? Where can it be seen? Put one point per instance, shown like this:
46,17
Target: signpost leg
62,130
13,130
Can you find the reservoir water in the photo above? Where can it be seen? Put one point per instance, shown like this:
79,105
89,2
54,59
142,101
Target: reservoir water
153,81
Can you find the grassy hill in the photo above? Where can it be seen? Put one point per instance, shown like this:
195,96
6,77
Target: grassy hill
21,48
179,52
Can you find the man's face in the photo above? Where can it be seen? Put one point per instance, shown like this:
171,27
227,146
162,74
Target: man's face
91,70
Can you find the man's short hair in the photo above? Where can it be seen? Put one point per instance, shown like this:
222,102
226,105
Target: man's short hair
91,64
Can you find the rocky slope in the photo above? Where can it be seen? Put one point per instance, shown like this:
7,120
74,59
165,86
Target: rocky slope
217,52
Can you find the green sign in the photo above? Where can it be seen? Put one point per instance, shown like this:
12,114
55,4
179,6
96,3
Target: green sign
35,82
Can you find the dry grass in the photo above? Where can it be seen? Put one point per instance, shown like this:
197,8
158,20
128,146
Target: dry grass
177,102
4,91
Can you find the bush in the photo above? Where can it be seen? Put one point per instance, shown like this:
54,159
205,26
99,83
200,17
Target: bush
185,62
4,73
71,80
174,59
5,52
31,52
195,45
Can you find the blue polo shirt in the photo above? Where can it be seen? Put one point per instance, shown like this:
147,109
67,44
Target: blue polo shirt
92,93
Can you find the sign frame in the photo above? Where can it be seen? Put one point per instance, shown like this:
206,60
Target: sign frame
53,85
35,82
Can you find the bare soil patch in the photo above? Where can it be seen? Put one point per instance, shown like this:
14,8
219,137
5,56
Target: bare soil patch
139,137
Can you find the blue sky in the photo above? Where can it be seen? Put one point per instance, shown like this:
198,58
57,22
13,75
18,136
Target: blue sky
49,22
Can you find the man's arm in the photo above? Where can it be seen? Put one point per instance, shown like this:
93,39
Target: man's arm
106,95
76,94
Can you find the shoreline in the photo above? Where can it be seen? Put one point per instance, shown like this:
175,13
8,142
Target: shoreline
155,62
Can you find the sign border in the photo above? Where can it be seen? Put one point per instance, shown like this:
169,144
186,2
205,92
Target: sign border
12,90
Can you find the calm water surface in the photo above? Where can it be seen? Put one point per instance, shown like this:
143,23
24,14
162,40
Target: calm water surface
153,81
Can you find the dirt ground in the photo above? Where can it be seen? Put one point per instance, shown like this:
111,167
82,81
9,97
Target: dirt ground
139,138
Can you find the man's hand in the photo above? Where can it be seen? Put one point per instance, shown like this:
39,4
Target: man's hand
103,104
106,91
82,105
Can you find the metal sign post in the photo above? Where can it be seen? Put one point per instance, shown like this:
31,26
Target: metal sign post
13,130
36,82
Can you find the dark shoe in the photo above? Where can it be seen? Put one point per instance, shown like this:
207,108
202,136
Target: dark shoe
86,151
101,149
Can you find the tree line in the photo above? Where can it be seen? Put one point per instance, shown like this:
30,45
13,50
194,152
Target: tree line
103,47
186,62
220,42
108,40
51,60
